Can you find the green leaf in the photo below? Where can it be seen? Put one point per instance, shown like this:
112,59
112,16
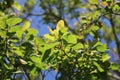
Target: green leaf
38,62
34,71
48,36
3,34
114,66
13,21
26,25
2,22
94,27
101,48
70,38
98,66
78,46
46,55
105,57
93,1
36,59
18,31
31,34
18,52
17,6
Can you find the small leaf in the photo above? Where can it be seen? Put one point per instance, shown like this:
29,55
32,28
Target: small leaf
70,38
93,1
17,6
13,21
22,61
98,66
101,48
26,25
105,57
60,24
18,31
114,66
46,55
78,46
31,34
2,22
48,36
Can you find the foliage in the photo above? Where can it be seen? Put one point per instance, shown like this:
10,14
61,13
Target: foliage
65,50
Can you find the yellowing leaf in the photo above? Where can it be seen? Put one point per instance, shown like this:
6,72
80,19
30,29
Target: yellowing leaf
105,57
60,24
13,21
93,1
26,25
49,37
51,31
17,6
22,61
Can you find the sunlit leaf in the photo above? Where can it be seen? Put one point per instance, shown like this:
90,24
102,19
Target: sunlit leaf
22,61
93,1
13,21
17,6
60,24
114,66
48,36
26,25
101,48
2,22
78,46
17,30
70,38
105,57
98,66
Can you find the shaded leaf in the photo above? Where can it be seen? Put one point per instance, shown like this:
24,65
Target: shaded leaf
98,66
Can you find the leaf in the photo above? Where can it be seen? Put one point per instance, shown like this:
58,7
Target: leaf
31,34
26,25
48,36
94,28
114,66
78,46
46,55
60,24
13,21
105,57
18,30
2,34
37,61
17,6
98,66
93,1
70,38
2,22
22,61
101,48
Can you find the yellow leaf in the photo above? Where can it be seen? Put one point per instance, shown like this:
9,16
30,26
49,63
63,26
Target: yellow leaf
17,6
60,24
48,36
22,61
26,25
51,31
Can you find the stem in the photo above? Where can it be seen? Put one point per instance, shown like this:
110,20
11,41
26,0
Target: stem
26,73
114,33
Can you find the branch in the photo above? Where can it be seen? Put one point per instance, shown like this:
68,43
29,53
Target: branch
26,73
114,33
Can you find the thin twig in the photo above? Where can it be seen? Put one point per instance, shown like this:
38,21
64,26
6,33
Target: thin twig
26,73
